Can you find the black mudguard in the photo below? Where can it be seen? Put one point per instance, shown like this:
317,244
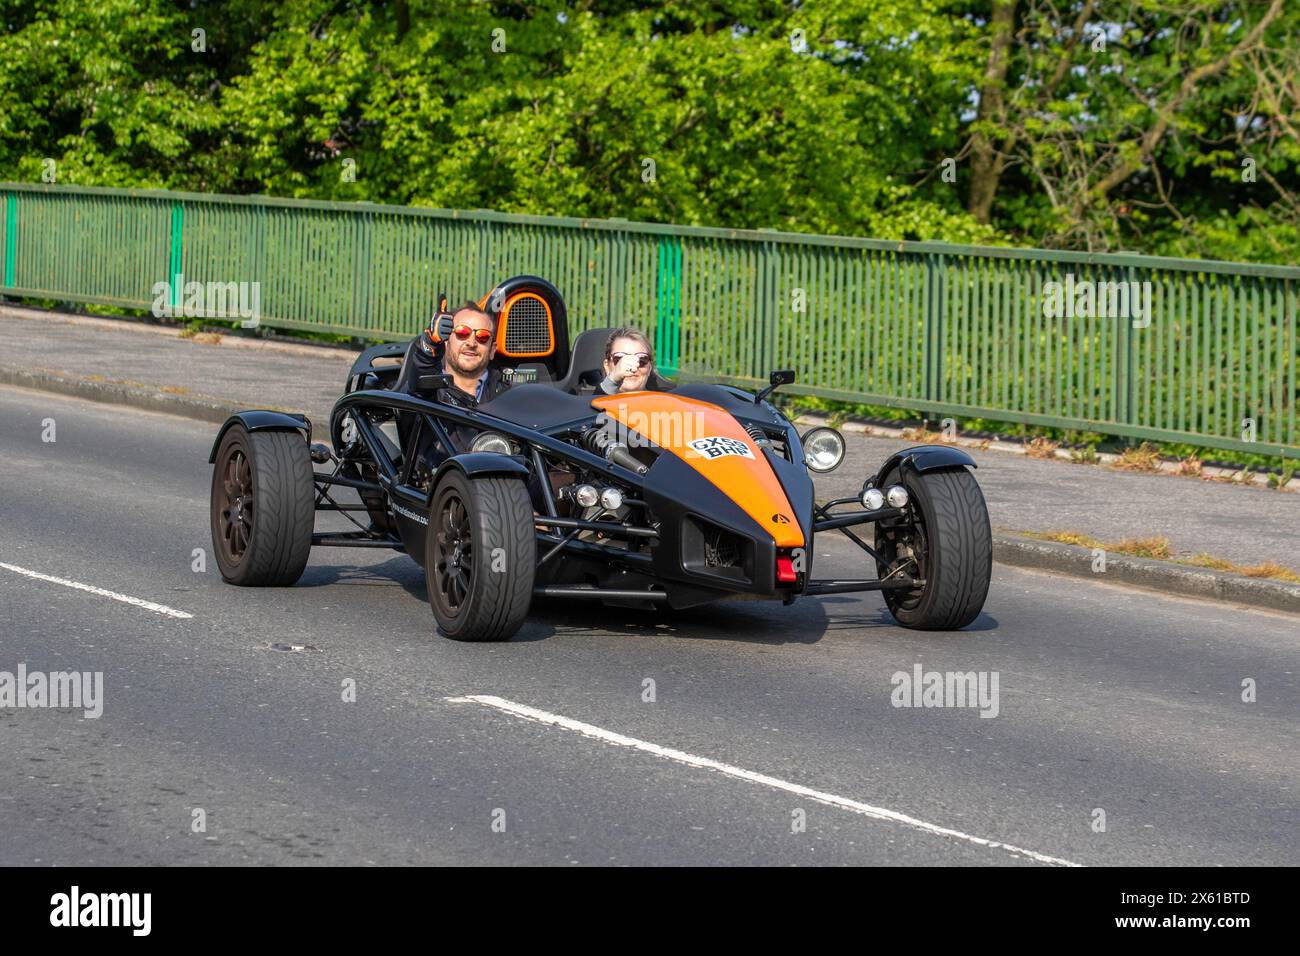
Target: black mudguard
261,420
483,463
923,458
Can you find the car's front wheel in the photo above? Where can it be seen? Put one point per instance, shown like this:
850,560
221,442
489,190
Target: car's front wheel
262,507
481,556
946,542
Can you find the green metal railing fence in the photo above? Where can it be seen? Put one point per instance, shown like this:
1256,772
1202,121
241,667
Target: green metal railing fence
947,330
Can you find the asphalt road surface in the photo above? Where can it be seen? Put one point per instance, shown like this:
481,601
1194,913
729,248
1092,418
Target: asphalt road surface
770,738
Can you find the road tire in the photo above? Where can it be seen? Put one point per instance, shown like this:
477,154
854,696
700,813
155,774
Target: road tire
952,544
474,524
263,507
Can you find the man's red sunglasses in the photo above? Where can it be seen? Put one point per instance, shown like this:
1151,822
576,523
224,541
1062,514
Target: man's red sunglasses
482,336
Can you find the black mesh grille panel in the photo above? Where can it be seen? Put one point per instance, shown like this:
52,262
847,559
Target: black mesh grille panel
527,329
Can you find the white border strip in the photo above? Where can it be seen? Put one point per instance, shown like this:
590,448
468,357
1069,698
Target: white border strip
91,589
705,763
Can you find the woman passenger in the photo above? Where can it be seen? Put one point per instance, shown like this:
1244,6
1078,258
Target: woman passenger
630,364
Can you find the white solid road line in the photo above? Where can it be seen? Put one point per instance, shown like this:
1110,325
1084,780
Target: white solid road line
91,589
844,803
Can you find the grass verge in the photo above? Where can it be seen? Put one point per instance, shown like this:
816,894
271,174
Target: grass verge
1160,548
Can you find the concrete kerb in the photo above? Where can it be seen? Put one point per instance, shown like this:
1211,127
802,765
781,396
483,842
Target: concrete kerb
1164,576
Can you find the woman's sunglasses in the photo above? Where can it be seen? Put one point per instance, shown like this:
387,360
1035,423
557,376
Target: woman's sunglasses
642,358
482,336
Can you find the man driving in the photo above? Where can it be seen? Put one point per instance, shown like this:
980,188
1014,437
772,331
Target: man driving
464,353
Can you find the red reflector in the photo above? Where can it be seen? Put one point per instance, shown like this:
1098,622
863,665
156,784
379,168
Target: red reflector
785,570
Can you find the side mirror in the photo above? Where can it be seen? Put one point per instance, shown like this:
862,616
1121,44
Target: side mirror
431,383
777,379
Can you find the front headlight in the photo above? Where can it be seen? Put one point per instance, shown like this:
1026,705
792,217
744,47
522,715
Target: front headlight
823,449
493,442
897,496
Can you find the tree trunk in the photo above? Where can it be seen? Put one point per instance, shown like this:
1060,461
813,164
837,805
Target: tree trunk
987,162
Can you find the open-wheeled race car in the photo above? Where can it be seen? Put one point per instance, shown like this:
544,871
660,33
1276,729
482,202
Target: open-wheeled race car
675,498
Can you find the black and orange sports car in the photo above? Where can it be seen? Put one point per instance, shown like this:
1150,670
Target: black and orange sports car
697,494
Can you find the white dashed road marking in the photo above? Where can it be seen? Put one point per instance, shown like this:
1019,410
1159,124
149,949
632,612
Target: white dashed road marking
91,589
705,763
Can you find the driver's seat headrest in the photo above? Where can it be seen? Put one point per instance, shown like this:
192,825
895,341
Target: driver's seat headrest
531,319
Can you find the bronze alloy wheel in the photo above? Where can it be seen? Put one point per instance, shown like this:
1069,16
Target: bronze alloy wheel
235,506
453,554
480,555
262,506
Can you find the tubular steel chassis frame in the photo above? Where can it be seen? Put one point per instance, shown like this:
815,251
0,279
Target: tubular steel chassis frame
394,485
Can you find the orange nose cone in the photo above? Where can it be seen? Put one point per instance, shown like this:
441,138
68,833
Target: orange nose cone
715,445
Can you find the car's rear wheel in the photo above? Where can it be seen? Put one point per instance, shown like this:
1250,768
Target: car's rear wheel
946,542
262,507
481,556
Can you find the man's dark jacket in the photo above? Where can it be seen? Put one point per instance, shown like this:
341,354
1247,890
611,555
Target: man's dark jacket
425,358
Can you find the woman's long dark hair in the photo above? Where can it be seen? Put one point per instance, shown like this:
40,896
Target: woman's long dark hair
654,381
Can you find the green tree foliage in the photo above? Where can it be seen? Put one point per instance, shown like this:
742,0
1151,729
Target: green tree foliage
1161,126
991,121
